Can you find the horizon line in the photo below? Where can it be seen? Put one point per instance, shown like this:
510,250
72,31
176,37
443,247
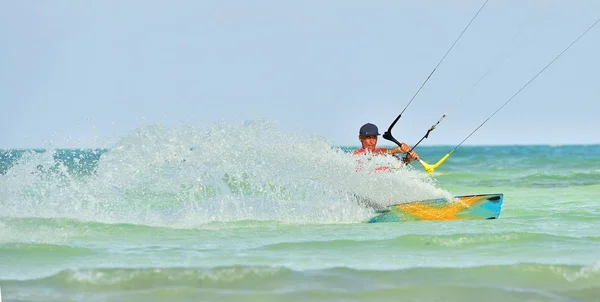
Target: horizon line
347,146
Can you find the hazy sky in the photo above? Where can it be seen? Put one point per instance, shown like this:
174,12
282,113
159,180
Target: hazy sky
72,71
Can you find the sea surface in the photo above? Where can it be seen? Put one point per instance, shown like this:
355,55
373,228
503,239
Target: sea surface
250,213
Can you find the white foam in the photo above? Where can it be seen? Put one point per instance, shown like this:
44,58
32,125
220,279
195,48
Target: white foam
190,175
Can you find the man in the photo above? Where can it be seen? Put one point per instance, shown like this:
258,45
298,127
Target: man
367,135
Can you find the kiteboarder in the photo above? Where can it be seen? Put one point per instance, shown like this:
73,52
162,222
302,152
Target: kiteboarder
368,134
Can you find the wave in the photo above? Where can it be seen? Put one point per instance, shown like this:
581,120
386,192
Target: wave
435,242
27,249
516,282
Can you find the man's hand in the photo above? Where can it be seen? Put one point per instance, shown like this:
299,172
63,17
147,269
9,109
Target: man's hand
404,148
412,156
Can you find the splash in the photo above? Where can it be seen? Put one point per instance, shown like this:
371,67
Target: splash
188,176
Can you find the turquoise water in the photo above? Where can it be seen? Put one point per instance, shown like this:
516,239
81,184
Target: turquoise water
249,213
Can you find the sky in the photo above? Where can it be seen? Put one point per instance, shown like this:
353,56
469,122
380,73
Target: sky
75,71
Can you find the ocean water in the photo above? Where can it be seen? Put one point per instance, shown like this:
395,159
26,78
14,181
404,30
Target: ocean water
250,213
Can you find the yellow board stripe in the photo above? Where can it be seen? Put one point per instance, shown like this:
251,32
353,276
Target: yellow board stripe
446,211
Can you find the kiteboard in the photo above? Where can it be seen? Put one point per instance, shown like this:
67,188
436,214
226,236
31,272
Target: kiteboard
466,207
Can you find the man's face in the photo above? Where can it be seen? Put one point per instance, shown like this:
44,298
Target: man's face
368,142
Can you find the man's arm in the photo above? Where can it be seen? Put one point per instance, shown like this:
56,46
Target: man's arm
404,148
